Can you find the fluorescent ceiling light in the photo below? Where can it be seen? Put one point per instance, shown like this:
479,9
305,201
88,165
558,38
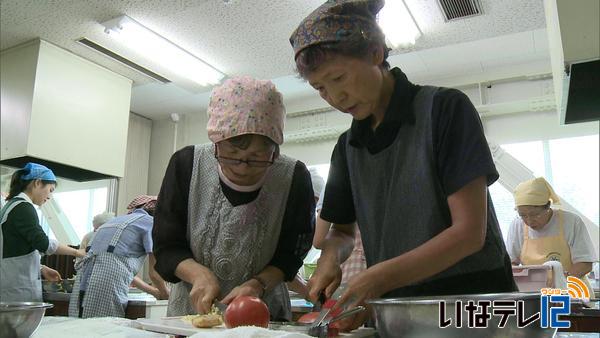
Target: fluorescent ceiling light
162,51
398,24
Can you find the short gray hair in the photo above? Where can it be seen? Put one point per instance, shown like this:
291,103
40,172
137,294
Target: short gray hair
102,218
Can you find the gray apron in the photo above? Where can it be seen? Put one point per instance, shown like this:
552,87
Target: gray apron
104,294
234,242
20,279
400,202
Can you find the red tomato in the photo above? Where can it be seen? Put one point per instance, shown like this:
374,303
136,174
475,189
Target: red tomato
308,318
246,311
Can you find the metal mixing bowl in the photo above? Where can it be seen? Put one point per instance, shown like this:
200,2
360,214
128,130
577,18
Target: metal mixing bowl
21,319
420,317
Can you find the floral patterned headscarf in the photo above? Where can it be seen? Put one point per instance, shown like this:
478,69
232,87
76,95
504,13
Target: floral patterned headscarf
243,105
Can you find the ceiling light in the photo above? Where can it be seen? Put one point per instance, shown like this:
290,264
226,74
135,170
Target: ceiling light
398,24
162,51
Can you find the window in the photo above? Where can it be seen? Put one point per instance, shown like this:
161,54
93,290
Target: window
574,163
570,165
80,207
504,205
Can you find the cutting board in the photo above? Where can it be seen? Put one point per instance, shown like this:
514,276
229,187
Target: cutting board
174,325
177,326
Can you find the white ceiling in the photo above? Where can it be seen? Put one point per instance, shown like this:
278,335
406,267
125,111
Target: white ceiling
251,37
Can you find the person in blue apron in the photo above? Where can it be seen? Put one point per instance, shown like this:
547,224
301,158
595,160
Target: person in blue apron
234,217
541,234
22,238
412,171
115,255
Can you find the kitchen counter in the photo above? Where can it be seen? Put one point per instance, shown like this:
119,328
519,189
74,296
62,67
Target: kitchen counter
140,305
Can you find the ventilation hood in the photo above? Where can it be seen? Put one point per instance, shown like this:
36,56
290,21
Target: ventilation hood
62,111
574,41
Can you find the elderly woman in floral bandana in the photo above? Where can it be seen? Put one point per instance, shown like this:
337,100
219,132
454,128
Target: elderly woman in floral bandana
114,257
234,217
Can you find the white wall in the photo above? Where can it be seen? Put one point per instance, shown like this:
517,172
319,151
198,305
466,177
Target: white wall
137,161
533,126
161,149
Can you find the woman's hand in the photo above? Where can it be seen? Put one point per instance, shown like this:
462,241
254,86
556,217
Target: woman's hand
251,287
50,274
327,277
362,287
80,253
205,290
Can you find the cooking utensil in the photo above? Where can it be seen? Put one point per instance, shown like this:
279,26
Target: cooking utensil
314,331
420,316
328,304
51,286
21,319
67,285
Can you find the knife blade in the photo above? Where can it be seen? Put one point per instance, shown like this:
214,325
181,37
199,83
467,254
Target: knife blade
222,307
319,303
327,305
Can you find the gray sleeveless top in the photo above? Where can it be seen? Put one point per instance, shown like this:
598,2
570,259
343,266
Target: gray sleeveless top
399,200
234,242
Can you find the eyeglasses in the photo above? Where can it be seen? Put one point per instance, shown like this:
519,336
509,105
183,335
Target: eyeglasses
534,215
250,163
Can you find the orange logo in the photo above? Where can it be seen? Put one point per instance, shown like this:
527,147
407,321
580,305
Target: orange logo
576,288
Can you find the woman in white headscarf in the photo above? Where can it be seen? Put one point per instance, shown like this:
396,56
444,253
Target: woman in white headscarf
542,233
234,217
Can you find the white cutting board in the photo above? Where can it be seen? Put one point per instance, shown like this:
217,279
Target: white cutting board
179,327
174,326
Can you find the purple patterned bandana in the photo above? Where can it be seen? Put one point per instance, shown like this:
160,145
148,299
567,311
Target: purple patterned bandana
243,105
337,20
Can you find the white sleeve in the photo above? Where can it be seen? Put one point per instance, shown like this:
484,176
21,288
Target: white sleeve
580,243
52,246
515,240
320,202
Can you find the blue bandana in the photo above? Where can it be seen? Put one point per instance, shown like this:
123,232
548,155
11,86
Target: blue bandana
36,171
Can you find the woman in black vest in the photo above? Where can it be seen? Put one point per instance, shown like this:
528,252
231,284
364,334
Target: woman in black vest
412,170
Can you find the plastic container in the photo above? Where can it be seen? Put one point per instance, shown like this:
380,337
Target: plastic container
533,277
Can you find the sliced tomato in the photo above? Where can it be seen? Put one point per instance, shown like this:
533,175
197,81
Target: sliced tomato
308,318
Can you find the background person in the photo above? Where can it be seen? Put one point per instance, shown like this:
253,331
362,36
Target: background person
298,285
541,233
98,220
22,237
234,217
116,254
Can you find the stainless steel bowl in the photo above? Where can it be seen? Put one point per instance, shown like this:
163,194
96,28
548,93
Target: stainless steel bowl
21,319
420,317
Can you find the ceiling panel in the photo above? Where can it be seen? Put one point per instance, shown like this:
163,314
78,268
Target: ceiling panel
251,38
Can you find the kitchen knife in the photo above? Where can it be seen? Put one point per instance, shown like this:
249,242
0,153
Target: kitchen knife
327,305
222,307
319,303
